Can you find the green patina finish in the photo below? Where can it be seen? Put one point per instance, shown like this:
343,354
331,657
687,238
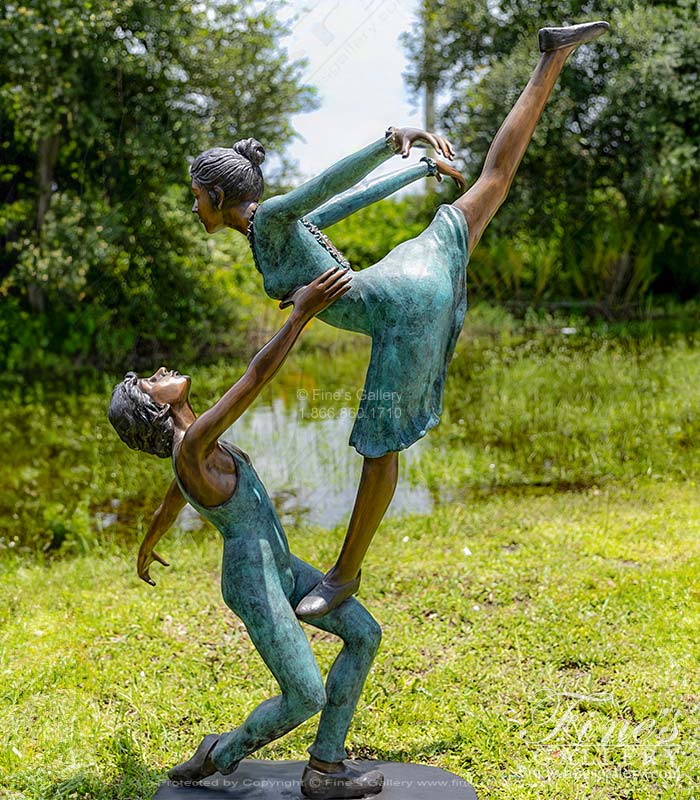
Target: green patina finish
262,582
412,302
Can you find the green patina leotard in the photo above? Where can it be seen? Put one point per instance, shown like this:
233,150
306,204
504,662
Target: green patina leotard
412,302
262,582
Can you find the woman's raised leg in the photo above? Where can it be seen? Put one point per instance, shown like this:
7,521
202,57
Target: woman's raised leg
374,494
484,198
478,205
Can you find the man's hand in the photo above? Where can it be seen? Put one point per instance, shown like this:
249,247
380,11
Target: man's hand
405,138
450,172
146,558
311,299
165,515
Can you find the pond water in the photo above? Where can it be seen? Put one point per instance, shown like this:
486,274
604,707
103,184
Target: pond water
308,467
299,444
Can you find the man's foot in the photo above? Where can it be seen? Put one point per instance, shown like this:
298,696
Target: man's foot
344,783
570,36
326,596
200,766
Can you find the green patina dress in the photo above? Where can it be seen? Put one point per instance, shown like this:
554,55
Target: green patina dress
412,302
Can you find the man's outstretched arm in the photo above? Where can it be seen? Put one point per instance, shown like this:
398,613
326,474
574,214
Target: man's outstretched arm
162,521
308,301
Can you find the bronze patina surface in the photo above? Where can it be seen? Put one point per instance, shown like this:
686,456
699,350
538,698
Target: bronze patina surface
412,303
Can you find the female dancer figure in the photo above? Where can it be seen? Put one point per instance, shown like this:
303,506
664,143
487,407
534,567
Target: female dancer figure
412,303
261,581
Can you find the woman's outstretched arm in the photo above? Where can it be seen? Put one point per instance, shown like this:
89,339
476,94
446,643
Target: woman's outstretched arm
359,197
308,301
347,203
351,170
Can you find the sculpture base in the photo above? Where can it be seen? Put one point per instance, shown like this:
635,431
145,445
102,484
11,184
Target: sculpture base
280,780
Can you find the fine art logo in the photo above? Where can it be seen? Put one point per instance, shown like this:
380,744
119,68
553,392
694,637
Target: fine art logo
601,721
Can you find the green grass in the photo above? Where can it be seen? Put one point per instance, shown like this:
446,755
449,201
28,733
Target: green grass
525,405
569,412
540,626
556,656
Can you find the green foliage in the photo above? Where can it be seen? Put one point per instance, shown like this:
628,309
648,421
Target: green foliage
610,185
526,405
134,87
124,296
566,405
367,236
102,103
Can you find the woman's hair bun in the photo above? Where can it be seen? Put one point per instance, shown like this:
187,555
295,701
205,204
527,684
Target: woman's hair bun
251,149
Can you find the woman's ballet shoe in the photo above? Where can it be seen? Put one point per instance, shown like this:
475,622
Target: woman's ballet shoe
200,766
325,596
557,38
346,783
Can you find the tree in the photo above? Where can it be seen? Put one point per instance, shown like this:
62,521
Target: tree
101,104
611,181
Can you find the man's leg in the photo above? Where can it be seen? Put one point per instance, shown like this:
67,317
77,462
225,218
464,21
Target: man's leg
253,590
484,198
361,636
374,494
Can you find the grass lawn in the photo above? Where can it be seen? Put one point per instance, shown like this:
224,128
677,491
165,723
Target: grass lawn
540,625
541,645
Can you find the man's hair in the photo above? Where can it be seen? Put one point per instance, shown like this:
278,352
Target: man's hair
141,422
235,169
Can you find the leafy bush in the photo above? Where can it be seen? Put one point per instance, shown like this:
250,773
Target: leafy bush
111,301
604,207
367,236
100,265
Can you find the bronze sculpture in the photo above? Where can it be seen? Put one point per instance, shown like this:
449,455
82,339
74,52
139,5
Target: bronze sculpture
261,580
411,303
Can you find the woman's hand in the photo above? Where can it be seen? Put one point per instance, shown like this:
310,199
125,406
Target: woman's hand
405,138
311,299
146,558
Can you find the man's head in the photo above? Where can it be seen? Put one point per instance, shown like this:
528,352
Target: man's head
140,410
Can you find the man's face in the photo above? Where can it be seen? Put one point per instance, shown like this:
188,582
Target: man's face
166,387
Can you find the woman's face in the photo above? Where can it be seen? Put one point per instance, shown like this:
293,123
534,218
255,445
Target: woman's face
167,387
211,217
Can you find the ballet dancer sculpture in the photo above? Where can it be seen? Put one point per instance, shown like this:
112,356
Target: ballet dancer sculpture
411,303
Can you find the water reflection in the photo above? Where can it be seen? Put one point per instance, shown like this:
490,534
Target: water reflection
308,467
305,461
